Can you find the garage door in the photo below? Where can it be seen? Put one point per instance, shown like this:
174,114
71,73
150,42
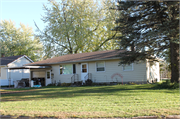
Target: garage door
39,74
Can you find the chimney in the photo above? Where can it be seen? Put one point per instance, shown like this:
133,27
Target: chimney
2,55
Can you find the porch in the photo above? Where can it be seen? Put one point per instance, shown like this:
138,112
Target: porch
76,81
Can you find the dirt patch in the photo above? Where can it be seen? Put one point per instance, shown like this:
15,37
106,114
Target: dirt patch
141,117
19,91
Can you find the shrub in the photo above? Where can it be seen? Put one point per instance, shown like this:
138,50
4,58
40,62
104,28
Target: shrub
58,84
65,84
104,84
88,82
167,85
51,84
132,83
120,83
78,83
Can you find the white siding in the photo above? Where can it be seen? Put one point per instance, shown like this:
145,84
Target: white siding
63,78
19,62
25,73
4,81
153,71
3,72
18,74
111,67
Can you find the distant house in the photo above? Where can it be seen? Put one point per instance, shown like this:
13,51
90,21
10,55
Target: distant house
7,76
99,66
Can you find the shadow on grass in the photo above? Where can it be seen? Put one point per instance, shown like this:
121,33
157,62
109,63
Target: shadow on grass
71,92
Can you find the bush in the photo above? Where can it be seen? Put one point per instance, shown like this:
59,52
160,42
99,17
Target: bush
105,84
66,84
51,84
132,83
167,85
88,82
58,84
78,83
120,83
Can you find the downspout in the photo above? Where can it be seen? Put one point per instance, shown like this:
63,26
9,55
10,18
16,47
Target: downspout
9,79
29,77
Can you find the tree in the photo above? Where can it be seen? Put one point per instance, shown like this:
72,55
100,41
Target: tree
149,29
19,41
75,26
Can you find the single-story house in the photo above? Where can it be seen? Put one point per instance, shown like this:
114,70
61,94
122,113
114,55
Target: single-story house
7,76
99,66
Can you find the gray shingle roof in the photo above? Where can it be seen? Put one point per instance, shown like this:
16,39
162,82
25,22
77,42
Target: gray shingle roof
90,56
7,60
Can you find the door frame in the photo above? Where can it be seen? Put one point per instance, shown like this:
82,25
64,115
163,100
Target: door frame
83,74
47,77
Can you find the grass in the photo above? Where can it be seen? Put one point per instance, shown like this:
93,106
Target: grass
95,101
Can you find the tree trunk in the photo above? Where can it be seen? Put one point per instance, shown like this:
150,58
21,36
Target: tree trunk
174,53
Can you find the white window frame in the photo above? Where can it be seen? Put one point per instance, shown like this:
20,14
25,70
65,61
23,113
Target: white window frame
63,66
97,67
128,69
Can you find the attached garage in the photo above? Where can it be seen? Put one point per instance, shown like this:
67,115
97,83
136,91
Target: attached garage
40,75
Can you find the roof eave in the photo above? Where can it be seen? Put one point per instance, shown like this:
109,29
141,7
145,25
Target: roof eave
3,65
74,61
30,67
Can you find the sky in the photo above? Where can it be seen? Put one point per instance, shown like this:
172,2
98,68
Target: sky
23,11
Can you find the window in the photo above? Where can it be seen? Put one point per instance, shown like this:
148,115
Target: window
128,67
100,66
48,74
0,71
66,69
84,68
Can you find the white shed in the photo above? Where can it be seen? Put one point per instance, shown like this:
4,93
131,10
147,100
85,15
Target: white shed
7,76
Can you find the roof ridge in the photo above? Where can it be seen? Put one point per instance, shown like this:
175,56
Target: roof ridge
88,56
85,53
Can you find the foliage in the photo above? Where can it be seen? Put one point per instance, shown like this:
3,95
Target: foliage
165,69
77,26
150,29
51,84
58,84
65,84
132,83
19,41
88,82
91,102
78,83
167,85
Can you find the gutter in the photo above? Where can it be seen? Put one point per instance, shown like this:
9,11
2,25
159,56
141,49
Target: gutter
30,67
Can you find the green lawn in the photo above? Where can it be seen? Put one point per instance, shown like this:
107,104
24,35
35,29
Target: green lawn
95,101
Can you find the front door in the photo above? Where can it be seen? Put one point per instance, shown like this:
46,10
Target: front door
84,71
48,77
